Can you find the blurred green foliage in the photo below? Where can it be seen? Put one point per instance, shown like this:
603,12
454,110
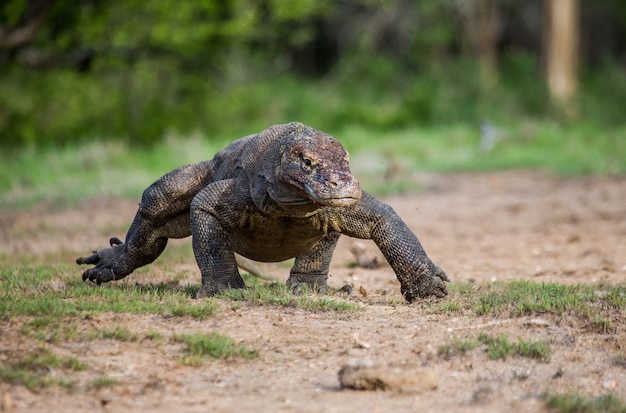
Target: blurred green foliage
145,102
137,71
100,98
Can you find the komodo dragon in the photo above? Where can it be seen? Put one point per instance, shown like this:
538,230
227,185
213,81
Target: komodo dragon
285,192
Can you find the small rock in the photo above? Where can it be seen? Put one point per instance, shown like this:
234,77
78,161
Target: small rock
559,373
367,376
106,399
357,343
609,384
362,257
362,344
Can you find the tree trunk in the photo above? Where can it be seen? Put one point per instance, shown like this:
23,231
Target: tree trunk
480,21
561,50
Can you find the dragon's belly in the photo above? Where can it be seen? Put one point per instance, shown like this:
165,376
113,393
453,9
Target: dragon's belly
272,240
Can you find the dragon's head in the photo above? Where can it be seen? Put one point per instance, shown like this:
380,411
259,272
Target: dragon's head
315,166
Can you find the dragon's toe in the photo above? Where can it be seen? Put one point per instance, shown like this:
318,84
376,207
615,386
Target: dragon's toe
98,275
429,280
440,273
438,287
92,259
110,264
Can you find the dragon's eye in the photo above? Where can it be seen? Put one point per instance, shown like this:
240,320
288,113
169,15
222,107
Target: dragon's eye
308,162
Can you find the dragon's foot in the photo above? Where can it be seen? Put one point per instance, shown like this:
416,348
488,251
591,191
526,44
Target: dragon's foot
303,287
109,263
211,288
428,280
299,283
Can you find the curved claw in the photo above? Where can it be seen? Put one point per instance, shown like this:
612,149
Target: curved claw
297,288
98,275
440,273
115,241
346,289
89,275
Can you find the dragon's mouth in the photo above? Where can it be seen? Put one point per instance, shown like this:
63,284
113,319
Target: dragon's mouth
332,200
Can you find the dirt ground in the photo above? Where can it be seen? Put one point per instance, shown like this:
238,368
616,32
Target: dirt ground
478,227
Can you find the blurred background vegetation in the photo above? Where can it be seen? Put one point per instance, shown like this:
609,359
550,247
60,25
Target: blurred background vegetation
467,84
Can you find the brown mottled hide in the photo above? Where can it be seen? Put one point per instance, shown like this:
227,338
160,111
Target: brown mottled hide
283,193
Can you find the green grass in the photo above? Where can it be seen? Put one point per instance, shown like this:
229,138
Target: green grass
102,382
457,346
55,299
499,347
526,298
201,347
393,119
34,291
154,336
276,293
538,350
52,330
576,403
51,302
593,305
31,369
383,160
496,347
560,148
54,292
450,306
70,173
118,333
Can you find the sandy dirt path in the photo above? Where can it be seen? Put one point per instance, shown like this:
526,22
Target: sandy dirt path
478,227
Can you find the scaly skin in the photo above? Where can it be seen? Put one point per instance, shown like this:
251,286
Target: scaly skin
283,193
